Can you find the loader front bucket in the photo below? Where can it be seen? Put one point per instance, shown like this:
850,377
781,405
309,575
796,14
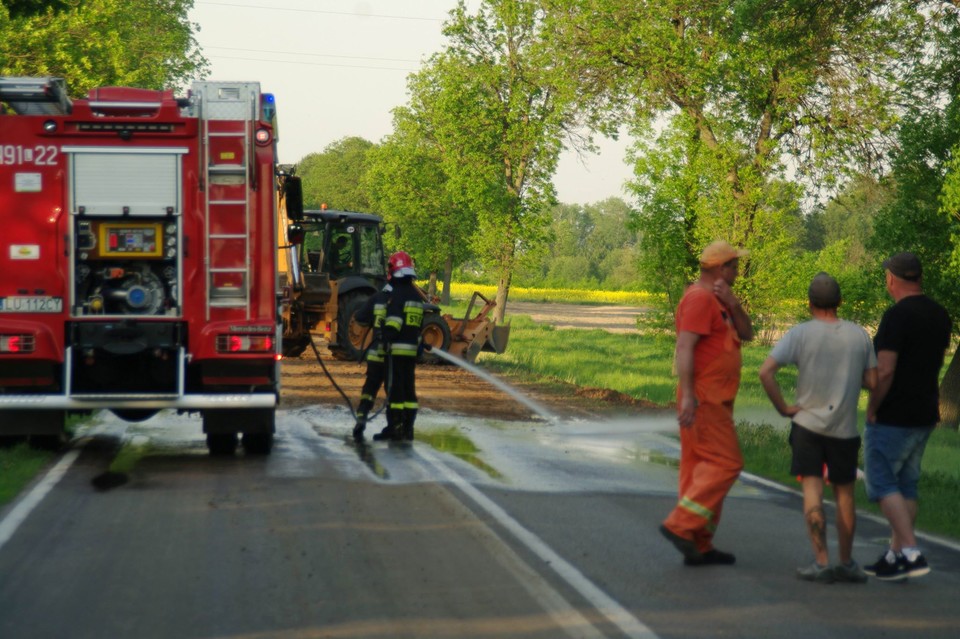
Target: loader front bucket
497,339
471,335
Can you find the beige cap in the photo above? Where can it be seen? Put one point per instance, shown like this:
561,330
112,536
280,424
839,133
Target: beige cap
720,252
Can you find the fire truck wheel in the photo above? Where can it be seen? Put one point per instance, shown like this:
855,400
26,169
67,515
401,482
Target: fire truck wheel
222,444
435,333
350,335
9,441
257,443
48,442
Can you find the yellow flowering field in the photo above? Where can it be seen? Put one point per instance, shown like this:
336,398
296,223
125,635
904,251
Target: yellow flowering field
460,290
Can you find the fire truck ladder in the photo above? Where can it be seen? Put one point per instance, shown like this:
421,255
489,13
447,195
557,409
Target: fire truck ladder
227,129
35,96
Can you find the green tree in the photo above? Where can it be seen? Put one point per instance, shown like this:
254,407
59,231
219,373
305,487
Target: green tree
143,43
587,246
408,184
335,176
751,89
499,108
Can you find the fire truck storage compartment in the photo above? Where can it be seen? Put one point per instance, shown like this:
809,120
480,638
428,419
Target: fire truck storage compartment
125,357
127,233
104,181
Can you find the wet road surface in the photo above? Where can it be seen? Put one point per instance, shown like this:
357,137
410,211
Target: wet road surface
479,529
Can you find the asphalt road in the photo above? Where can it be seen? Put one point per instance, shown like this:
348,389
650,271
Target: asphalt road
551,531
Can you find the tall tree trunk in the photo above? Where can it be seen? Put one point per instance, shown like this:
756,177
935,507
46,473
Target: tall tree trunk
950,394
503,290
447,277
432,285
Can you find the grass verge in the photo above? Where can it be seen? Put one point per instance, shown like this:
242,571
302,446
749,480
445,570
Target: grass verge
19,464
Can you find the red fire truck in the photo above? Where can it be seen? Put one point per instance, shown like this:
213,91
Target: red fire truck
138,258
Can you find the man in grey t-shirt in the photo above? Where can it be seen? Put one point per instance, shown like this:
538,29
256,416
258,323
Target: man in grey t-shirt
834,359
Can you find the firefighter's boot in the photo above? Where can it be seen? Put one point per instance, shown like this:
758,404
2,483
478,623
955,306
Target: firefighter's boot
359,427
406,428
392,430
363,409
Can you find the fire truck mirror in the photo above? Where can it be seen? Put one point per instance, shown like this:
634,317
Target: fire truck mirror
295,234
293,196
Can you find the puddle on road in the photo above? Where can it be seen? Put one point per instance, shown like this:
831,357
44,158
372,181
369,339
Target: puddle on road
642,456
451,440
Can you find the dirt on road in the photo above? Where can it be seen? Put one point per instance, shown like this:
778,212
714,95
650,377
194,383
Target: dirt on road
445,387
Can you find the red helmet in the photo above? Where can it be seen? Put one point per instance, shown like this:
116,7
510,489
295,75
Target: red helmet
401,265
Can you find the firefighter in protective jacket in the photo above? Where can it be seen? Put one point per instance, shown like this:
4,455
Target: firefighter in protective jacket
372,314
401,336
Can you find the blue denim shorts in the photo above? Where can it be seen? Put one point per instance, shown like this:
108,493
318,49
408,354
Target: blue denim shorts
892,457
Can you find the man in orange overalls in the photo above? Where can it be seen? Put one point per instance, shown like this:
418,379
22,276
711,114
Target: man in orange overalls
711,323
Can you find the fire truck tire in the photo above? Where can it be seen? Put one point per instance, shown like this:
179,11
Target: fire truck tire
9,441
258,427
435,333
257,443
43,429
350,335
222,444
48,442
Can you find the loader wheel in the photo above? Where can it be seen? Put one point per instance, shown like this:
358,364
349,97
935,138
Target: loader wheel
436,334
350,335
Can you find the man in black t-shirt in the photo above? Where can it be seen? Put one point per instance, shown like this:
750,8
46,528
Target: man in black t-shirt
903,410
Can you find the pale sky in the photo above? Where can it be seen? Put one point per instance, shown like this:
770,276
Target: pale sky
338,68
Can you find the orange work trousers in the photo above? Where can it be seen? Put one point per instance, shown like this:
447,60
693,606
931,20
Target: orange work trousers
710,462
710,457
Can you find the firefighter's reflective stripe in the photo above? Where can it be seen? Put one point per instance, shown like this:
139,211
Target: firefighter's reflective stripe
403,349
379,314
406,405
393,322
413,313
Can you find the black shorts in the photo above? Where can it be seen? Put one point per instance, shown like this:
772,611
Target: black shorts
812,450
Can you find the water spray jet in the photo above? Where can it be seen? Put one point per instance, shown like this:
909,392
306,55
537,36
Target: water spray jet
506,388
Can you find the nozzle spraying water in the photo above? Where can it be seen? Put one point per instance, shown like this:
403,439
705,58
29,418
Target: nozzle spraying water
506,388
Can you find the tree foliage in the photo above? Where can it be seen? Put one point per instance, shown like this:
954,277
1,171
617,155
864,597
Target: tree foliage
745,90
409,185
498,107
334,177
587,246
143,43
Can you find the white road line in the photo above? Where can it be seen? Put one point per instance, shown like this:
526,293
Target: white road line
25,506
604,604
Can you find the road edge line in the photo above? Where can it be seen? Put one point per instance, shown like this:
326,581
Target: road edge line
23,508
601,601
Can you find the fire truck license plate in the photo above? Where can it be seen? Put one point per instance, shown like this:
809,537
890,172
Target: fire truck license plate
31,304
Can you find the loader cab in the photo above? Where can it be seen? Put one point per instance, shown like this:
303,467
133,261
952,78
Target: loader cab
342,250
342,244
